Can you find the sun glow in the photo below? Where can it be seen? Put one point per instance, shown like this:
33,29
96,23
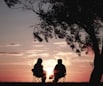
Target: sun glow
49,72
48,67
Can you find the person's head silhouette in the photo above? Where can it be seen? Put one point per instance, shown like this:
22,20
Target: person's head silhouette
39,61
59,61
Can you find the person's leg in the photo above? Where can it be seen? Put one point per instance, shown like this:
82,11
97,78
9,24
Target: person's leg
44,77
56,78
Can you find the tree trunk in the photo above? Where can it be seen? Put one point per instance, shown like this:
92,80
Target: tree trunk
98,61
96,74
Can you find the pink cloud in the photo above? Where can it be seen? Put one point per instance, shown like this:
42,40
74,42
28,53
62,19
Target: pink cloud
36,51
38,46
38,55
60,43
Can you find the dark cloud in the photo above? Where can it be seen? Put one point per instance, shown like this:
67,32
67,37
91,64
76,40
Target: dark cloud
11,53
10,45
13,45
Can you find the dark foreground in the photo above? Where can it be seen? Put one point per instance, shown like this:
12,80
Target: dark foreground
46,84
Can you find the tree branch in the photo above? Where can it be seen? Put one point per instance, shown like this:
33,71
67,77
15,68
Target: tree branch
102,49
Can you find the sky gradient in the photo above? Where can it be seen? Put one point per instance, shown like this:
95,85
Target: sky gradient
19,52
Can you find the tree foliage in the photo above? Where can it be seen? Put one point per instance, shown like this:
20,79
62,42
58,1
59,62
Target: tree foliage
74,20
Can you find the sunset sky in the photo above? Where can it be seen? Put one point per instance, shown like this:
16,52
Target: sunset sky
19,52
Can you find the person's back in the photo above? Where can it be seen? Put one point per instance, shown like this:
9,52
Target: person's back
38,70
59,71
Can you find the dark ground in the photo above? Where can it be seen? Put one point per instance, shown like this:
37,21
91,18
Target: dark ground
46,84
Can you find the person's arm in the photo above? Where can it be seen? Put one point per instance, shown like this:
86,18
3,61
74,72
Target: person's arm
64,70
55,70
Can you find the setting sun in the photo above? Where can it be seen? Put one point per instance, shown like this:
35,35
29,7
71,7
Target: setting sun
48,67
49,72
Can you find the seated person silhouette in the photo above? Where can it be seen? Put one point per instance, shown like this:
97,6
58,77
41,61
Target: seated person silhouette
38,70
59,71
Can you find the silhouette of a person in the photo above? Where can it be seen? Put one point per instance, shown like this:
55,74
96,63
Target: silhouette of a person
59,71
38,70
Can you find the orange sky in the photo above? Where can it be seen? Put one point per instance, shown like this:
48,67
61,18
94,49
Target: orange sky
17,67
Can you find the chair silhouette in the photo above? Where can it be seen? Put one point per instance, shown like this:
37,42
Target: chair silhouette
62,79
35,77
